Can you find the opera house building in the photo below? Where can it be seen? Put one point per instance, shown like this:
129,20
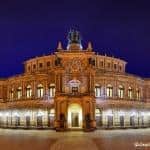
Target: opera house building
74,88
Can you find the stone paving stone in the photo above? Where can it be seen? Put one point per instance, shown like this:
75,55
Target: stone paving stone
74,143
51,140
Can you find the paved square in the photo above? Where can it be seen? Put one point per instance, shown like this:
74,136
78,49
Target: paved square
75,140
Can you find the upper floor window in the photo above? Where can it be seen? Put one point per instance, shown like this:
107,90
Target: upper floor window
12,93
52,90
74,90
40,65
120,67
34,66
40,91
115,66
138,95
120,91
28,91
19,93
74,86
101,63
130,93
48,63
108,65
109,90
29,68
97,90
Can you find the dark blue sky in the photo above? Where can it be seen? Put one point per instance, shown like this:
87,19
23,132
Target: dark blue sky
33,28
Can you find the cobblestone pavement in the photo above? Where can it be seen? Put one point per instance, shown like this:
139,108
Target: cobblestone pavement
74,140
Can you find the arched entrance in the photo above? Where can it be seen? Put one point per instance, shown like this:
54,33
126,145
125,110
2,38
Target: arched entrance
98,117
74,116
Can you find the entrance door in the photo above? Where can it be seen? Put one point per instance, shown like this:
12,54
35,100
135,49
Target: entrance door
6,121
17,121
27,121
39,121
110,121
75,119
50,121
121,121
142,120
132,122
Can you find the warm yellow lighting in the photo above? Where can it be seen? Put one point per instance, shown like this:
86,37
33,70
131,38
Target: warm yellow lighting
52,113
109,90
74,108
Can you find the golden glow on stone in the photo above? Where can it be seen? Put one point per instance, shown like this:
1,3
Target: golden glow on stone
74,108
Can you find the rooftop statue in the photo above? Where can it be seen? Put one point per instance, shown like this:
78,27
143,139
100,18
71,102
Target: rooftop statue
74,38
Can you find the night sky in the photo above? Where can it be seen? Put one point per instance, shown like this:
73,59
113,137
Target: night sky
31,28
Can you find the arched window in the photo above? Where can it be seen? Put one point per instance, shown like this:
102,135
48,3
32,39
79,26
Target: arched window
115,66
11,94
28,91
74,86
120,91
109,90
52,90
138,94
19,92
40,91
130,93
97,90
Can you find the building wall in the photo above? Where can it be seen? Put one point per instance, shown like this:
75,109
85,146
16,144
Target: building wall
116,80
115,113
8,117
76,65
147,90
3,90
65,68
105,63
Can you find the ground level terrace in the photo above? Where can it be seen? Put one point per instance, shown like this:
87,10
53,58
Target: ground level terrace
44,118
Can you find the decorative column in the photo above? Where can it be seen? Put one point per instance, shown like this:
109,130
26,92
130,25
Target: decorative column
34,89
89,123
23,90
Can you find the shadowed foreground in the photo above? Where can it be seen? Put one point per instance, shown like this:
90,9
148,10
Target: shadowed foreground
51,140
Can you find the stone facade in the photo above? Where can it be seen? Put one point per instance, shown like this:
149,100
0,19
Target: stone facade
75,88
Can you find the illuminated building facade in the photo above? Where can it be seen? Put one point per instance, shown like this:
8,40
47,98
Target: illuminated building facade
75,88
